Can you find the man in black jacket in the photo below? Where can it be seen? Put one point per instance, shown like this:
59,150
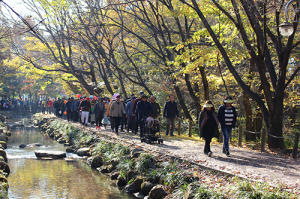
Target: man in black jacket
170,112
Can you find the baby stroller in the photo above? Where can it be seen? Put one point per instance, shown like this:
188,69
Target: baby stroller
151,131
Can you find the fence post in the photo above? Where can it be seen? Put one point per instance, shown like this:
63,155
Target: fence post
179,126
190,128
263,140
240,136
295,148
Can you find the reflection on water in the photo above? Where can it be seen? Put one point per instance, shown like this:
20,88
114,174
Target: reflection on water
58,179
31,178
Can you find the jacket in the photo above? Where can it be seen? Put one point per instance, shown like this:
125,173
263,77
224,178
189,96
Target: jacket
135,104
202,121
68,106
170,110
221,116
99,110
108,113
86,106
156,109
144,108
117,109
74,106
128,109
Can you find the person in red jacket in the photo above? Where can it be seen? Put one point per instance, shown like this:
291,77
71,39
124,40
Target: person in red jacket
49,105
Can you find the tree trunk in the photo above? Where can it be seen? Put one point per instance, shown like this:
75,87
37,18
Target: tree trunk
122,85
275,128
192,94
248,112
182,103
205,83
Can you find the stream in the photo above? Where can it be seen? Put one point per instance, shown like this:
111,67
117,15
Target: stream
32,178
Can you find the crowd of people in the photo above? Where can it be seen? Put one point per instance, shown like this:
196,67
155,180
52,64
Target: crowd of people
128,114
102,111
21,105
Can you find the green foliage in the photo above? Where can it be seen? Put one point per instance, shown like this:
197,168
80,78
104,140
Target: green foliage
125,164
145,162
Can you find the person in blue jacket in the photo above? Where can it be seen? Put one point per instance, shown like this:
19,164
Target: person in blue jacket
227,118
143,109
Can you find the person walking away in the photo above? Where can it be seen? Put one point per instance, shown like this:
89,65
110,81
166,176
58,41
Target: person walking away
85,106
227,117
68,109
155,106
134,112
44,106
170,112
208,125
117,110
99,112
109,114
130,117
143,109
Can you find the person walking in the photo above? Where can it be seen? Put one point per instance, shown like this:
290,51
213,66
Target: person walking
69,109
134,112
99,112
208,125
227,117
44,106
170,112
129,116
49,105
74,110
143,109
155,106
85,106
117,109
109,114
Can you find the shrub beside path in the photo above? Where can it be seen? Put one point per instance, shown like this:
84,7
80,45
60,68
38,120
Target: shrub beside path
241,162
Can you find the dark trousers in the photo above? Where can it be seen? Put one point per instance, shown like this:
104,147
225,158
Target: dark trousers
75,116
123,122
131,123
112,123
207,144
117,121
43,110
57,112
136,124
99,120
170,122
69,115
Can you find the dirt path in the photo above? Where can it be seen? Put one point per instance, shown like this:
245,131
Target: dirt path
241,162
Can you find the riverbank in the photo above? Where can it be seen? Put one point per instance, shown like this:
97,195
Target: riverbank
4,168
143,171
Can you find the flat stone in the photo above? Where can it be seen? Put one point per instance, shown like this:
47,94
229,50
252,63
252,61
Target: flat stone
83,151
22,146
52,154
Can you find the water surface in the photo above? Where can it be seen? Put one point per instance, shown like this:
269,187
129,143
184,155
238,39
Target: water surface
32,178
